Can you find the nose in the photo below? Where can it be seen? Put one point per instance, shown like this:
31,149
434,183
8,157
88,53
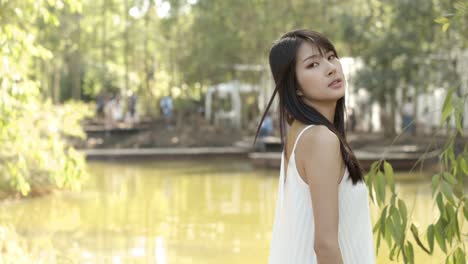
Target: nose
331,69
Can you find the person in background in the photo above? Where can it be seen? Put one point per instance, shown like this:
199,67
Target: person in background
426,121
408,116
132,100
166,109
117,114
108,113
100,103
266,128
351,120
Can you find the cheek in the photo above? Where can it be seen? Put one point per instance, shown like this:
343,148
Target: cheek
309,80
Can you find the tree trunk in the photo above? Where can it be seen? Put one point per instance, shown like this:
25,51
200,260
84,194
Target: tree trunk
416,123
56,84
126,46
103,47
146,55
75,63
392,128
389,116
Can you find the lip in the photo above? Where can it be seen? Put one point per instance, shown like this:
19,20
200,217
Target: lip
336,83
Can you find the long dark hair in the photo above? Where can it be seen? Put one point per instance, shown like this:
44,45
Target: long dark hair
282,64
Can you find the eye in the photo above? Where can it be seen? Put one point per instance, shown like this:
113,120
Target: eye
332,57
313,65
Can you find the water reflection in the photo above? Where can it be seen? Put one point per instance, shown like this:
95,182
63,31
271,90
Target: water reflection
211,211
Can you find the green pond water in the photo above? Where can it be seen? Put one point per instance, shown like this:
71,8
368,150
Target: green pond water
196,211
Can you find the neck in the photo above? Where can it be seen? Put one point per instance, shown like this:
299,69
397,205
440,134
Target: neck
327,109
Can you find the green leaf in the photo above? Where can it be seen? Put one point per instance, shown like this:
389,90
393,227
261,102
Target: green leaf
382,219
456,227
410,252
440,204
388,235
445,27
376,227
447,191
441,20
451,154
391,223
449,177
447,106
446,113
461,7
440,238
379,224
370,177
395,227
393,251
393,199
435,183
460,256
389,175
415,233
453,229
395,217
374,167
403,210
464,166
380,188
465,208
379,237
458,123
430,237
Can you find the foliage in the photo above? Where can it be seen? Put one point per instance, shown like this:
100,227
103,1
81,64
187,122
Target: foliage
455,18
33,153
195,42
447,186
120,46
394,223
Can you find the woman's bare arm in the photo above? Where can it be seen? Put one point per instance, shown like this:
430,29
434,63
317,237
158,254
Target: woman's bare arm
319,160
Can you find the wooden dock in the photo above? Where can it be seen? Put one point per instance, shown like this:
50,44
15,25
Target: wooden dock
166,153
399,161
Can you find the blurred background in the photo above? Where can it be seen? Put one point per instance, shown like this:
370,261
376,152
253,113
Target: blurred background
127,126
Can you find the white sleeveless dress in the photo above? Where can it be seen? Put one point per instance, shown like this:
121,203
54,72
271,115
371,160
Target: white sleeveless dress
292,239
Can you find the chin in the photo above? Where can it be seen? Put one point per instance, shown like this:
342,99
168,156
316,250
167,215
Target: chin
336,99
337,95
342,94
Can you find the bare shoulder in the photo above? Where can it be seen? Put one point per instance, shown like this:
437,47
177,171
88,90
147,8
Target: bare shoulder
317,138
318,153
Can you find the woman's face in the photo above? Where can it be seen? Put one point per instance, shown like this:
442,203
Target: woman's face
320,78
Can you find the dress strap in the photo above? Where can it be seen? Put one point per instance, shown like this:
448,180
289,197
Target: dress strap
281,181
299,136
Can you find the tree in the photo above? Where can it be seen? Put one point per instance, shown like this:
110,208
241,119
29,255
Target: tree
394,52
33,154
447,190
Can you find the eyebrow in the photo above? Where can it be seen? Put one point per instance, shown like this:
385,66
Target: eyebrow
315,56
312,56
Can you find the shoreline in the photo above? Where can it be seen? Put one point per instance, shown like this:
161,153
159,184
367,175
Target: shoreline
164,153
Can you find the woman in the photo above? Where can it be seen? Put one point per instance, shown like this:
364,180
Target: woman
322,213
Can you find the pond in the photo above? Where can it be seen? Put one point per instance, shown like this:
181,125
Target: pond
195,211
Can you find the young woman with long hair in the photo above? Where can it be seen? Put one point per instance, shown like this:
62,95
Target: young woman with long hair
322,214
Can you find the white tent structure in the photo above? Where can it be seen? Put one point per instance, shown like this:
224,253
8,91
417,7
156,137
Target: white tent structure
233,90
